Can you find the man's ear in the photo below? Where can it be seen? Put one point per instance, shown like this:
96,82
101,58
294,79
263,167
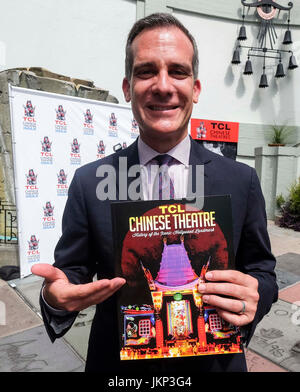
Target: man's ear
196,90
126,90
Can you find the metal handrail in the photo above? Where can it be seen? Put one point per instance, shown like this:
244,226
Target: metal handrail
9,223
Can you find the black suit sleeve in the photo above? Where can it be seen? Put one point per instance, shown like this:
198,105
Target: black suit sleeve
72,256
254,255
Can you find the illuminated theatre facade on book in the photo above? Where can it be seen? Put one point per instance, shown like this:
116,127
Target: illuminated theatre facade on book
177,323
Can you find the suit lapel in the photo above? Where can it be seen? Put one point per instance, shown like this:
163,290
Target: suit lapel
200,156
122,163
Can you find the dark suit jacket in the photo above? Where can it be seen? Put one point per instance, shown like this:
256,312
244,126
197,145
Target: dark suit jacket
86,248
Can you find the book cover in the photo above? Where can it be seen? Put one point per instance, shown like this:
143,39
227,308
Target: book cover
163,249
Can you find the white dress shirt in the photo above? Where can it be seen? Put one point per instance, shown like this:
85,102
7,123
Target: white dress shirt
178,171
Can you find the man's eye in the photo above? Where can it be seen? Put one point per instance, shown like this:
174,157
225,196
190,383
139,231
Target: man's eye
145,73
178,73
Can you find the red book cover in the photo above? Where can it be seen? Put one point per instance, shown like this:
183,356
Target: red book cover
163,249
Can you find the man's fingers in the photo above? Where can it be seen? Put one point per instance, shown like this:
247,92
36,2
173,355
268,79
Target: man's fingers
62,294
233,318
231,305
232,276
93,293
101,295
88,289
227,289
47,271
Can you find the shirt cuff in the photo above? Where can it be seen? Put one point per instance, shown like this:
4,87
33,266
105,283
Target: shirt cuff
51,310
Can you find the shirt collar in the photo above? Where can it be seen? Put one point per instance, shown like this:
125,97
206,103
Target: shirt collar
181,152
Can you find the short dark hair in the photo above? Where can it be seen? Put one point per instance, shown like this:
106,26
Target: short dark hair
150,22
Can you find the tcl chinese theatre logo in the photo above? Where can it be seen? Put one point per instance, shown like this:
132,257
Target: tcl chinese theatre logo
46,153
113,125
62,187
29,121
33,254
60,122
88,128
48,218
31,188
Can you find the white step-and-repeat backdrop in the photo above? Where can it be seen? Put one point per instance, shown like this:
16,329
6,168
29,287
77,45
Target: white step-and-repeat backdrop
53,135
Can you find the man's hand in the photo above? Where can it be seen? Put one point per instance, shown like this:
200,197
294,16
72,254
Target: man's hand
61,294
241,287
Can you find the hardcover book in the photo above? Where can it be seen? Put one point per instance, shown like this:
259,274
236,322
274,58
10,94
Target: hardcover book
164,249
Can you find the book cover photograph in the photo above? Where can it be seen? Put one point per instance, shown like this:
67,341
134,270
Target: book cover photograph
164,249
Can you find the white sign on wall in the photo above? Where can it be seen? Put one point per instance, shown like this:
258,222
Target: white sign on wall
53,135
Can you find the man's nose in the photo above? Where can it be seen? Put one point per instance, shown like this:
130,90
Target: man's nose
163,84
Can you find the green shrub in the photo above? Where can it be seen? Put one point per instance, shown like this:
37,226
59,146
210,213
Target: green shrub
295,198
280,134
280,201
290,209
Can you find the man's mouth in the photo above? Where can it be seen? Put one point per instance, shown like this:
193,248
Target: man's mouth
159,108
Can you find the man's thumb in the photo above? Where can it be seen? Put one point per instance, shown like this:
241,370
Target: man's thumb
48,272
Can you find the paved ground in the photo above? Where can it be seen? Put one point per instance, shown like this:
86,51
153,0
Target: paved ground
25,346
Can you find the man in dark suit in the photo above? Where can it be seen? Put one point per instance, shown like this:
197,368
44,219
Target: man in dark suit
161,83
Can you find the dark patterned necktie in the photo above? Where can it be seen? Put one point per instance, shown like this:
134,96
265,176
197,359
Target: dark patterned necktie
163,181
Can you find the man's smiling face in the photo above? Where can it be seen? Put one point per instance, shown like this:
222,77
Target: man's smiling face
162,88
